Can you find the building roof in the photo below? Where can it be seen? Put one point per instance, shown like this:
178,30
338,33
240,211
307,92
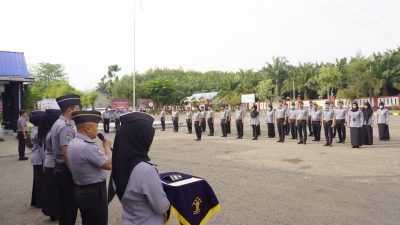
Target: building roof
200,96
13,65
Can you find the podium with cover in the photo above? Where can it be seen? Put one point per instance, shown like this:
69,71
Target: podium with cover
192,199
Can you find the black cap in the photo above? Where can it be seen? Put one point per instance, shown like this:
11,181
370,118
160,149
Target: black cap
53,111
327,102
340,101
68,100
34,117
293,103
86,116
381,103
301,102
134,116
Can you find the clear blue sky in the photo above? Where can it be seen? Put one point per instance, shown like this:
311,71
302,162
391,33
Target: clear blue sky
87,36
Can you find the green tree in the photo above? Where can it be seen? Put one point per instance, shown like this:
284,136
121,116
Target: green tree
265,89
47,73
106,83
88,99
277,71
329,78
160,90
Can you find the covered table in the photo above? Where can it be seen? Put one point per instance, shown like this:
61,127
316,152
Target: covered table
192,199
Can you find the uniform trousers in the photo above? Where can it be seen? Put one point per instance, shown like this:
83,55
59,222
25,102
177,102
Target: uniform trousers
210,123
175,122
65,186
228,126
37,187
255,132
203,124
162,124
189,125
302,126
51,202
117,123
106,125
341,129
271,130
287,128
281,129
21,144
316,126
311,127
198,130
293,128
239,128
328,130
223,128
92,202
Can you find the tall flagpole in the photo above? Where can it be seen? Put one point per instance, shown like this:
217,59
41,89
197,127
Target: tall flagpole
134,57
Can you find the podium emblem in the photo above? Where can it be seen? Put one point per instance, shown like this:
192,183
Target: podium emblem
196,204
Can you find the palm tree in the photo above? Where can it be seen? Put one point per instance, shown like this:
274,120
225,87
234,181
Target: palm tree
277,71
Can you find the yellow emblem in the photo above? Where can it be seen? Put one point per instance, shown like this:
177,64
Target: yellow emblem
196,204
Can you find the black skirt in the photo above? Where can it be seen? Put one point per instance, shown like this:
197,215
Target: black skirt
383,131
367,134
51,202
271,130
37,187
355,134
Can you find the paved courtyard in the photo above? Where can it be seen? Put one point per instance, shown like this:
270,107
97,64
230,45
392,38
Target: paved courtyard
257,182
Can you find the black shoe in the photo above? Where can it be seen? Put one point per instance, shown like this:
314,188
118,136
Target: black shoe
210,135
279,141
313,140
326,144
300,142
24,158
254,139
237,137
53,218
197,139
339,142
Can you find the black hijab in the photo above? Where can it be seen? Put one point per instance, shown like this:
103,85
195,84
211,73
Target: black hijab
367,111
131,146
356,109
46,122
254,113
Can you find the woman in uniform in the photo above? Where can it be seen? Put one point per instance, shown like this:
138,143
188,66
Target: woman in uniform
383,122
255,121
137,183
367,127
36,160
270,122
51,202
356,120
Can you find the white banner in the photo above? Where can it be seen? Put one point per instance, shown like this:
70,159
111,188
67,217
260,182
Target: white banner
250,98
47,104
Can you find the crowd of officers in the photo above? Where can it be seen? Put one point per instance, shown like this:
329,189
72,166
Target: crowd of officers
69,168
295,120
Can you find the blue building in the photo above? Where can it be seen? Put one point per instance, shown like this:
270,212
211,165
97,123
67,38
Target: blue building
14,77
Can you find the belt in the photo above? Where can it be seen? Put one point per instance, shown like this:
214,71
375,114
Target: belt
301,120
340,119
92,185
327,121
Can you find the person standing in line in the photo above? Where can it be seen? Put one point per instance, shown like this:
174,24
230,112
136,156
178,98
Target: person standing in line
280,121
197,121
62,132
36,160
287,126
223,121
328,122
310,127
340,114
189,120
316,115
51,201
255,121
87,164
136,180
22,134
106,121
368,136
270,119
117,115
239,121
356,120
175,118
383,122
210,120
292,115
228,120
162,118
302,122
203,120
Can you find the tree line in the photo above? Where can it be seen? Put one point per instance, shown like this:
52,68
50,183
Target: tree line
357,76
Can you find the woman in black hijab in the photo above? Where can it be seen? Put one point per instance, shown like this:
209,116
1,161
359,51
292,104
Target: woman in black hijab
255,122
131,169
51,202
356,119
367,127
